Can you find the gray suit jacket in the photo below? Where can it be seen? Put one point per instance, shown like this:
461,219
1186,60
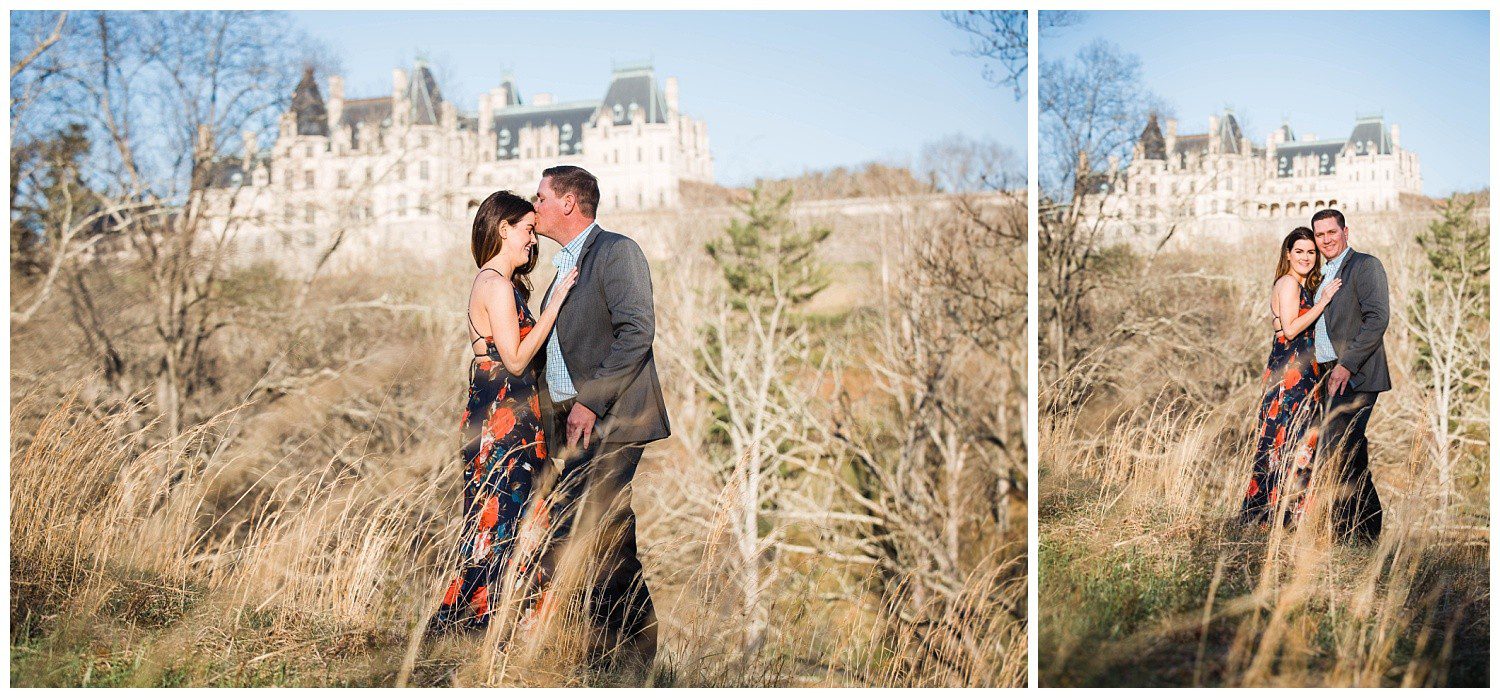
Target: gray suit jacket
1357,317
605,329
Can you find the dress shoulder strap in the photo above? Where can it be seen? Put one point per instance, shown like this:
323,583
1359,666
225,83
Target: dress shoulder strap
469,314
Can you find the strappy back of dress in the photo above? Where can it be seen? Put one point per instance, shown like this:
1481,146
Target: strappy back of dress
491,352
1302,305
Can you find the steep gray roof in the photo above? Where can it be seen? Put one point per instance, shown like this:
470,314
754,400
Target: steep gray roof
307,105
1229,135
570,118
1153,146
634,86
1370,134
425,97
1326,152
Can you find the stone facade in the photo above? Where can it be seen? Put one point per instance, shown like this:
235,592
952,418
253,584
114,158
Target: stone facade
406,171
1221,176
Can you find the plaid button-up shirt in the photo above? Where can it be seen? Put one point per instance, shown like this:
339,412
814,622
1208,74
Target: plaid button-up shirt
559,383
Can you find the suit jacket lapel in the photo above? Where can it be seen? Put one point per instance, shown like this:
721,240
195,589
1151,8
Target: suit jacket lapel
588,244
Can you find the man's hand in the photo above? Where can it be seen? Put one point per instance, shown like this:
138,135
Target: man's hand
581,424
1338,379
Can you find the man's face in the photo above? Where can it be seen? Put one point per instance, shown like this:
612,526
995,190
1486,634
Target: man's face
549,209
1331,238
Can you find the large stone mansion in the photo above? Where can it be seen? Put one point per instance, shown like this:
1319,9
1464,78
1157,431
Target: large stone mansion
1221,175
403,171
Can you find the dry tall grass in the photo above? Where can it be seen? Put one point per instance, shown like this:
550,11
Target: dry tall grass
303,530
1146,578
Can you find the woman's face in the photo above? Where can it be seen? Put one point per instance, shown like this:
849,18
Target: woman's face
519,239
1303,255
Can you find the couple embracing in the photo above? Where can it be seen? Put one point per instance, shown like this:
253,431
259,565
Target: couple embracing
576,383
1330,306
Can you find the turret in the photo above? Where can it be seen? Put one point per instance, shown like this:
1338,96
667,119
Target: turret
335,100
671,95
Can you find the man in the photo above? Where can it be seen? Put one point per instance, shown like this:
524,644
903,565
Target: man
1348,340
602,403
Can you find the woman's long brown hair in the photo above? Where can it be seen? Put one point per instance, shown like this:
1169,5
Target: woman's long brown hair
1284,264
510,208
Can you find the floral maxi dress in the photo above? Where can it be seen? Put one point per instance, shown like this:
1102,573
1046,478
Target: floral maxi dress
503,452
1287,435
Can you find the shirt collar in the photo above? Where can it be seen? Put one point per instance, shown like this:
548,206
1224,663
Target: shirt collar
575,245
1336,262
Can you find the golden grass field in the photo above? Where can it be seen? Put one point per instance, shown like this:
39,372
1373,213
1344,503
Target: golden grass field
1146,579
300,528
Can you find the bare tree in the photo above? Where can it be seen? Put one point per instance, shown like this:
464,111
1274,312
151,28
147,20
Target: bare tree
165,95
1091,109
999,37
1449,318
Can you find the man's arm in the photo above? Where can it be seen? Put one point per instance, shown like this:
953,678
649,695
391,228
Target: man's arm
627,294
1374,307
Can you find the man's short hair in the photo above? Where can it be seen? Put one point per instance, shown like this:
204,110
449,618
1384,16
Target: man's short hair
571,179
1325,213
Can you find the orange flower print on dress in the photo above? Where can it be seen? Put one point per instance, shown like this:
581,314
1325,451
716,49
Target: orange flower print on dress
491,514
502,421
481,600
1290,378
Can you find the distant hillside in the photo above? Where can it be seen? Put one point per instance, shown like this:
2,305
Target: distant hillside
870,180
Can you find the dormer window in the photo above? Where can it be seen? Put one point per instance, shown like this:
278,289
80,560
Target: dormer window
504,136
566,133
619,113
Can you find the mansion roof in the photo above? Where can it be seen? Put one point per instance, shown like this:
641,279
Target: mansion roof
1369,136
630,88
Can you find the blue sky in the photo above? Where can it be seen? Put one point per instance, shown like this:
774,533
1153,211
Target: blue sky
781,92
1427,71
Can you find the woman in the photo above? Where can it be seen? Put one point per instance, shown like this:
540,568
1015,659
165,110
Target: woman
1283,451
503,444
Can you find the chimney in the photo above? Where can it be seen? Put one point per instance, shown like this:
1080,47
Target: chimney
1213,133
486,114
398,84
251,144
1396,135
335,100
672,95
1171,144
542,99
